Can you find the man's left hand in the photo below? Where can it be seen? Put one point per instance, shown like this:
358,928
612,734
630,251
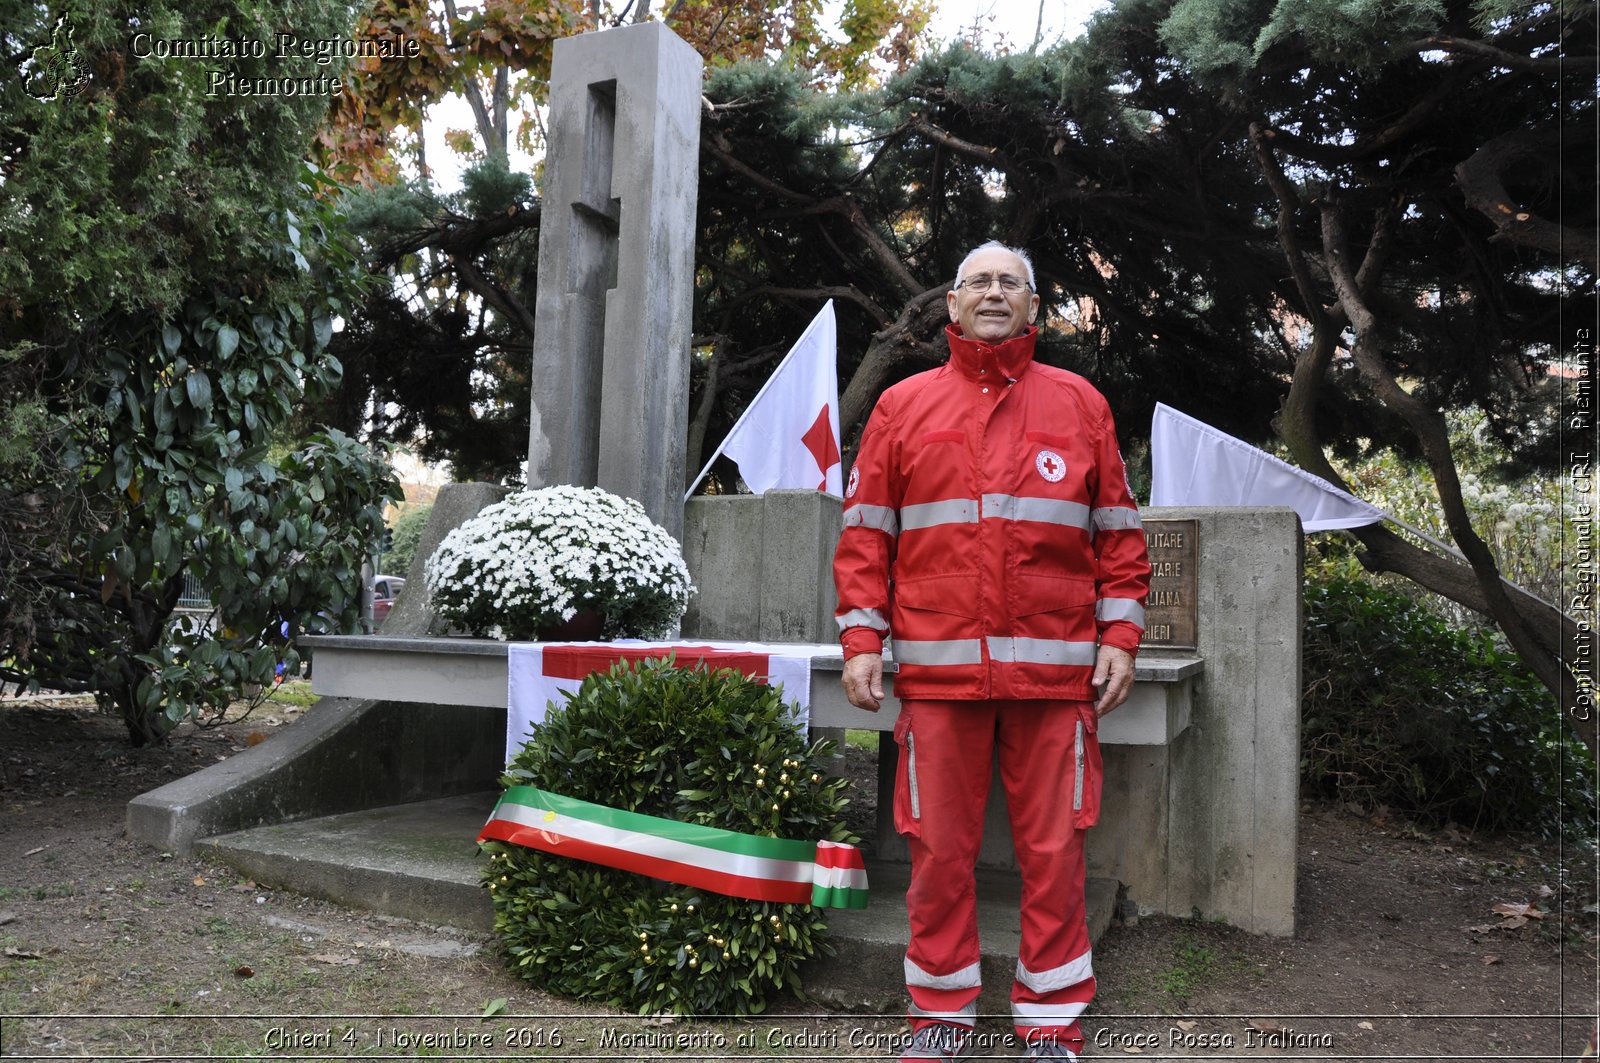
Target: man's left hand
1113,678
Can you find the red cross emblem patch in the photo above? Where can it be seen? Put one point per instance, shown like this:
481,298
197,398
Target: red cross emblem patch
855,481
1050,465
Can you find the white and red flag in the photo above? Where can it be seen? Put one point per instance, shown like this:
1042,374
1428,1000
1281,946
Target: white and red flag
1194,464
539,672
788,437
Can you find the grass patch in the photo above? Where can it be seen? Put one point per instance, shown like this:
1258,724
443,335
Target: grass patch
1193,966
293,692
862,739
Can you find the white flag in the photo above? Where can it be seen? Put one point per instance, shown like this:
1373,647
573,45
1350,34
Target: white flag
1193,464
788,438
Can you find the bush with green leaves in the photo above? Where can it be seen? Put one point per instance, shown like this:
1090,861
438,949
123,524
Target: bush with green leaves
692,745
1441,723
171,276
407,535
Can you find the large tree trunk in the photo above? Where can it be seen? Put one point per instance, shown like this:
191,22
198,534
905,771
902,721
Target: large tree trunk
1540,632
923,316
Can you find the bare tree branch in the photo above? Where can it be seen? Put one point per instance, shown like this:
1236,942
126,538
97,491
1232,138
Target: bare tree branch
457,235
1480,179
921,315
1552,64
848,293
840,205
988,155
495,295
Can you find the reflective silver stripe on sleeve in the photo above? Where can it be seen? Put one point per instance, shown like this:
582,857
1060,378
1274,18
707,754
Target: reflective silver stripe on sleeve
946,651
966,978
1043,510
863,618
1116,518
1068,974
967,1016
880,518
929,514
1130,609
1039,651
1063,1014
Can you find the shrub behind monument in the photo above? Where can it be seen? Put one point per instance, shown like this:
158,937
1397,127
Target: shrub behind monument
1403,709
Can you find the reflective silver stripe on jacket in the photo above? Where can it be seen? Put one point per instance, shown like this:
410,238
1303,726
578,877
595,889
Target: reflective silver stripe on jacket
863,618
1042,510
1116,518
936,651
966,978
881,518
930,514
1068,974
1108,609
1039,651
1059,511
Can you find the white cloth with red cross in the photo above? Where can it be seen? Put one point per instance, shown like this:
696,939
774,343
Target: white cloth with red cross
540,671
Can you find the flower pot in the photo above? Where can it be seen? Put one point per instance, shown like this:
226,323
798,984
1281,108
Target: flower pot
586,625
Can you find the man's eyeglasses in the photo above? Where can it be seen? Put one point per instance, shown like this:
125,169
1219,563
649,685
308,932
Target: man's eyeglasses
981,284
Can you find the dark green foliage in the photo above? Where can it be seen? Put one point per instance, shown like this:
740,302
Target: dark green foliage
1404,710
491,188
170,275
438,354
688,745
407,534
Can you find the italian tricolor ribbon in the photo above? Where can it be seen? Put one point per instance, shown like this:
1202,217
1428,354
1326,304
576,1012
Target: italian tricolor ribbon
825,874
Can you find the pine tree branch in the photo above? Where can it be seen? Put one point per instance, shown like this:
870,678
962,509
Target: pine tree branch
1553,64
1479,178
457,235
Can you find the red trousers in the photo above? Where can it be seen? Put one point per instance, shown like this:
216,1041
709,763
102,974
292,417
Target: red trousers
1049,761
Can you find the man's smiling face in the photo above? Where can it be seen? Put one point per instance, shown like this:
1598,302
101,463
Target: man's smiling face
993,316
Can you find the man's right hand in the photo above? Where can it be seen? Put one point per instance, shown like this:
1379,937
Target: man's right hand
863,681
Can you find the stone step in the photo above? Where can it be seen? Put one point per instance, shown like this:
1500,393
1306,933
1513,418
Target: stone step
419,861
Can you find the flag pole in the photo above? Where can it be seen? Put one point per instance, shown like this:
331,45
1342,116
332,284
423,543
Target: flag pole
1453,552
798,344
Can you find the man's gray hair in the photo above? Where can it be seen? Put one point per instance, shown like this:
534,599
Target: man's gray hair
996,245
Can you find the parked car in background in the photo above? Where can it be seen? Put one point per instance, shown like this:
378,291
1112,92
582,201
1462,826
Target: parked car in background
384,591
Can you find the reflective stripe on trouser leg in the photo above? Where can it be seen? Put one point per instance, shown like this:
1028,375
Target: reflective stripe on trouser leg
954,743
1055,971
950,998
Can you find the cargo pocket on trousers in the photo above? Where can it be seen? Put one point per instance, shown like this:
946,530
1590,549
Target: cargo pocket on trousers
1087,773
907,803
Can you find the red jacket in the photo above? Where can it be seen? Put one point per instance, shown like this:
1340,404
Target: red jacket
988,523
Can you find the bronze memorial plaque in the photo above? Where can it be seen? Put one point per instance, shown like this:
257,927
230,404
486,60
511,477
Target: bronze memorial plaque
1171,612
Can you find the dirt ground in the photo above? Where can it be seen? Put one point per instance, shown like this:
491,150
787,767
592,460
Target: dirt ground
1412,945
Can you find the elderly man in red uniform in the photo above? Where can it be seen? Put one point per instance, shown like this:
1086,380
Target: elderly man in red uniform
989,526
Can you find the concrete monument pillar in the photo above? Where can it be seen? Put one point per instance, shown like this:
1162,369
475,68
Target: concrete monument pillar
616,268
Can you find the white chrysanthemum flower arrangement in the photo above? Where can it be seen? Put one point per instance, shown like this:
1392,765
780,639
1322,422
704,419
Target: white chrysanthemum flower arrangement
536,558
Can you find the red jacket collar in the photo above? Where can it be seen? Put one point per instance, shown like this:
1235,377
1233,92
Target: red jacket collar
1010,358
